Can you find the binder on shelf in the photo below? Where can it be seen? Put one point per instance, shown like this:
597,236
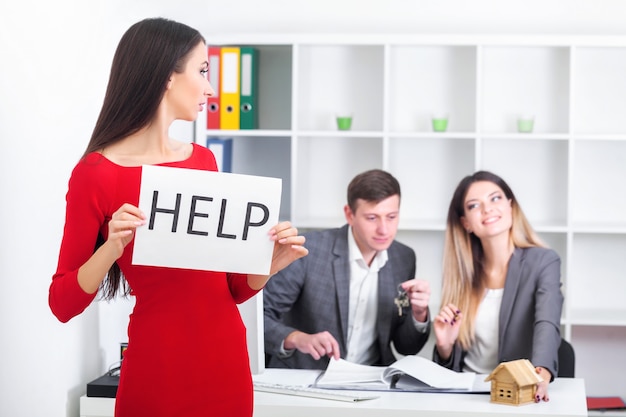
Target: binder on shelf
229,84
223,151
213,103
248,89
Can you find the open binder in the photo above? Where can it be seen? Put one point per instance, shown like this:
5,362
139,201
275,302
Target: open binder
411,373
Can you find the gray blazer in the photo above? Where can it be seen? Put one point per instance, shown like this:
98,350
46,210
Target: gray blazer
312,295
530,314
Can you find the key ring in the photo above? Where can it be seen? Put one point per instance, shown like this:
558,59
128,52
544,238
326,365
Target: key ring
401,300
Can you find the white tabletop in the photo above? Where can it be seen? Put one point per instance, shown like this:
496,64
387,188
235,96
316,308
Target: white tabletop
567,399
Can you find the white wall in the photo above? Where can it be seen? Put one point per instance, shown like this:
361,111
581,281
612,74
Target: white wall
54,63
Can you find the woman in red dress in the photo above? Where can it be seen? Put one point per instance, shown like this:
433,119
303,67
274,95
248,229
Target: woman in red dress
186,351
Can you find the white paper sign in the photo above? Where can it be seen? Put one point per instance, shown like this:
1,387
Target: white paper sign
206,220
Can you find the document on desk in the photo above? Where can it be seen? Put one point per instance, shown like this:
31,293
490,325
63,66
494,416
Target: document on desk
411,373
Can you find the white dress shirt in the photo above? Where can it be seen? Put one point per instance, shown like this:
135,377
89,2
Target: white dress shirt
363,306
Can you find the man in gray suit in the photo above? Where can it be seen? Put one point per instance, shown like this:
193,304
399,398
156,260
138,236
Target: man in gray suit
354,294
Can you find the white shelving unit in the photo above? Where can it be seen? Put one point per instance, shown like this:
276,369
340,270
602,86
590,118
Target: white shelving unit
568,174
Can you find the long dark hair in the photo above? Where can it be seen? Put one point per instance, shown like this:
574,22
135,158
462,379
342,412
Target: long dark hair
148,53
146,56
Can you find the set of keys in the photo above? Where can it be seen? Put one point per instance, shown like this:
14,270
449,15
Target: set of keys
401,300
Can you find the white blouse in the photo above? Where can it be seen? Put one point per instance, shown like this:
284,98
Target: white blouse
482,357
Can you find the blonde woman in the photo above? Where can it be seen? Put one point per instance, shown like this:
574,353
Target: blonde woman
501,297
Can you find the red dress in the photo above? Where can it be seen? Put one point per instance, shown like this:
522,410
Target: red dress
187,352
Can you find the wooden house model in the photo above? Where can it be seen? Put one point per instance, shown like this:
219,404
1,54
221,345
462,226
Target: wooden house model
514,382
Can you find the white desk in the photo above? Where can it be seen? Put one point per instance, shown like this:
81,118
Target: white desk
567,399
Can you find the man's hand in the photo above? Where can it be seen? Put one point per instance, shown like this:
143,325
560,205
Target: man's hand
316,345
418,292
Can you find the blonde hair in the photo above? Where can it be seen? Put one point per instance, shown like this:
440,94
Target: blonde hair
463,256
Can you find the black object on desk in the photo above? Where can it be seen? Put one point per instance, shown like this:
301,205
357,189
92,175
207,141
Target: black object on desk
105,386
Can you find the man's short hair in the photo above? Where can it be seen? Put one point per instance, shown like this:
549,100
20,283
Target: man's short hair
374,186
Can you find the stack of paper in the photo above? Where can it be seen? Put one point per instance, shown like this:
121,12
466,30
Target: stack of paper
411,373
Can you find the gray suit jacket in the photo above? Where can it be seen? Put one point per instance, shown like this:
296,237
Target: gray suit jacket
530,315
312,295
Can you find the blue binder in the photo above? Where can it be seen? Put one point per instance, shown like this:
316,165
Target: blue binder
223,151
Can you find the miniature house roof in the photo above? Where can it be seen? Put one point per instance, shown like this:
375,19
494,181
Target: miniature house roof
521,370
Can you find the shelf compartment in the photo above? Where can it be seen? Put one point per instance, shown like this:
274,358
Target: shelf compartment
599,88
597,264
326,165
424,80
429,169
274,95
597,359
537,172
598,182
525,80
337,79
267,157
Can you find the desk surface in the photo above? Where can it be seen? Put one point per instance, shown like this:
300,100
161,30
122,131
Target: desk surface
567,399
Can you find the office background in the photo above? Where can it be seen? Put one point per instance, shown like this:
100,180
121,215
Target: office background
55,58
